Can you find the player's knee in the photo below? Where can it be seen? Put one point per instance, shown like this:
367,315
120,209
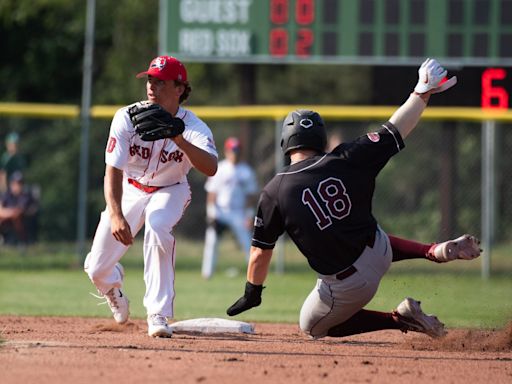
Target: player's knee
158,224
89,267
305,329
312,331
95,273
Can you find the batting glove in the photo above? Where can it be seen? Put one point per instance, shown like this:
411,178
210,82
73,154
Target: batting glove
430,78
250,299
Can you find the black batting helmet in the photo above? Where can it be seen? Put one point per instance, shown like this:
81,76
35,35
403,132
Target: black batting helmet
303,129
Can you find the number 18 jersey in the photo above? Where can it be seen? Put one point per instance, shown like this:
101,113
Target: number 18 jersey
324,203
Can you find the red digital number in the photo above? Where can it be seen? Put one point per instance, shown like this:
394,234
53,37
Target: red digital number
279,11
494,97
279,38
304,42
278,42
305,12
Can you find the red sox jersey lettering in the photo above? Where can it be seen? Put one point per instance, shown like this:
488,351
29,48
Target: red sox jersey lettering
177,156
139,151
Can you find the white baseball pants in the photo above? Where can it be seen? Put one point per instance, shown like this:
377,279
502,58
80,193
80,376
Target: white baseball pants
159,211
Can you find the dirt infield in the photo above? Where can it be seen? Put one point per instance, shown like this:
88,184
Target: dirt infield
78,350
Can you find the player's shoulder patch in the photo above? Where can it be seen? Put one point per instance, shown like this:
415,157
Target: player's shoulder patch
258,221
373,136
111,144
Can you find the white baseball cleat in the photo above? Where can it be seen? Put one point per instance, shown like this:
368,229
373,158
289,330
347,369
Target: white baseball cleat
158,327
410,315
466,247
119,305
116,300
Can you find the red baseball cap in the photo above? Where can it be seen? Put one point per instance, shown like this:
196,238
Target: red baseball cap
165,68
232,143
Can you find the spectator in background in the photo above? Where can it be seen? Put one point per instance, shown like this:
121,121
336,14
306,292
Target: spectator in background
17,212
231,196
11,160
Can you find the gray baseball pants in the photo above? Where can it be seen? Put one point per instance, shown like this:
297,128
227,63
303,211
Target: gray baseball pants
333,301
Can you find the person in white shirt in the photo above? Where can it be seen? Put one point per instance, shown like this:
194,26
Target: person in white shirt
146,185
231,196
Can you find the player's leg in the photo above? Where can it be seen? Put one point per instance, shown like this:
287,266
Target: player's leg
408,316
364,321
238,224
106,251
334,301
214,231
404,249
210,252
464,247
102,262
163,212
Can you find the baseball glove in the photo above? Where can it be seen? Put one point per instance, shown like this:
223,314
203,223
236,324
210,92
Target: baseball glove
152,122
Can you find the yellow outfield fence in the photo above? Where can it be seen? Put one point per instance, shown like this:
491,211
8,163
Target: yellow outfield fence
495,144
267,112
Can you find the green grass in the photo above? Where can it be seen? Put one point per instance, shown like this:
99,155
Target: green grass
48,280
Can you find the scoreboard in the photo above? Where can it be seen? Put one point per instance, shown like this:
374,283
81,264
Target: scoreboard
472,38
375,32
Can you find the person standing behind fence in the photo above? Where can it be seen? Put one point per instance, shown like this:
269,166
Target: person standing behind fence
11,160
18,210
231,196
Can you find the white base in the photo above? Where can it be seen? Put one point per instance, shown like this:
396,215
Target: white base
211,325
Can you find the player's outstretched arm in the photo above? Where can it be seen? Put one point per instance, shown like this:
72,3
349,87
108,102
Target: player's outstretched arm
430,80
257,271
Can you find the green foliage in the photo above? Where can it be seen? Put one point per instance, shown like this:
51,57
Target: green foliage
41,61
42,47
126,42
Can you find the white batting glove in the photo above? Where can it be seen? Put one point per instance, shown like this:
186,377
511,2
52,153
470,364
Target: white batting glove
430,75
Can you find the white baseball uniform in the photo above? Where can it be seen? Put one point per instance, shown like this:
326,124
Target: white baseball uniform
231,184
146,165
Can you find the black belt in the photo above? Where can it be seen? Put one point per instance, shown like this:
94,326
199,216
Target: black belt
346,273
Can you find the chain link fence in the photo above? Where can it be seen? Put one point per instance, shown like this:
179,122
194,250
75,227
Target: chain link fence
431,191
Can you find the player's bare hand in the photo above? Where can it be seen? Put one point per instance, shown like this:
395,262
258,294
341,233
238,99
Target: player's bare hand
432,78
121,230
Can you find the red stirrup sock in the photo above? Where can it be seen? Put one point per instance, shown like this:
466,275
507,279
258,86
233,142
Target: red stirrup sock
364,321
407,249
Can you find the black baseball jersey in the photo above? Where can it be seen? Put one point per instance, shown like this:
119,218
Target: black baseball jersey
324,203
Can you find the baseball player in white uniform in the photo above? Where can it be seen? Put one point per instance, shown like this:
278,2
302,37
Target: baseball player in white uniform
146,184
231,195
